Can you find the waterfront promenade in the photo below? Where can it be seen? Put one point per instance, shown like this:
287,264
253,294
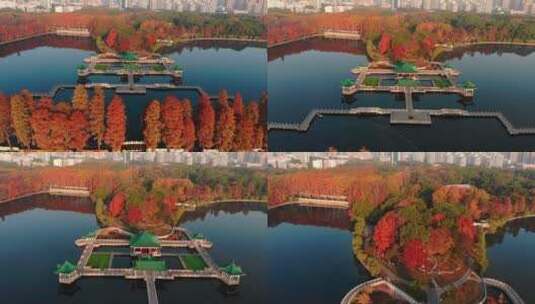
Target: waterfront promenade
314,200
53,190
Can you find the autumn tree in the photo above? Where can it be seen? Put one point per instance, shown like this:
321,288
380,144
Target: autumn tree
115,124
226,124
41,122
466,227
117,204
172,123
79,98
440,241
384,233
59,133
245,138
239,114
5,120
78,130
134,215
189,126
111,38
206,126
96,116
384,43
414,254
20,115
152,125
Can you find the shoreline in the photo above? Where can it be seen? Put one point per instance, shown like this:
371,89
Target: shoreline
177,43
455,46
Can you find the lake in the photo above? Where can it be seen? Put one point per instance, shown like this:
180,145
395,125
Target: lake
290,254
39,64
307,74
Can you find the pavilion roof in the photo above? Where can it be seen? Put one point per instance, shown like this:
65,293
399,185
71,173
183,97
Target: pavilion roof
232,269
67,267
144,239
404,67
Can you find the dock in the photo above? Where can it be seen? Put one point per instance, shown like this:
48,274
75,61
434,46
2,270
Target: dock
418,117
193,242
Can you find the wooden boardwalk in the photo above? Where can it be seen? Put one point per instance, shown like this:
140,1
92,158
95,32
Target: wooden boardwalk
127,89
417,115
90,243
513,296
53,190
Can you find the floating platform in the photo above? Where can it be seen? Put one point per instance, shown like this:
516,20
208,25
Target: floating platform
415,117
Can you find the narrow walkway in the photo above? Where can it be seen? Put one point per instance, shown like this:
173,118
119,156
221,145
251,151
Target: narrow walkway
151,288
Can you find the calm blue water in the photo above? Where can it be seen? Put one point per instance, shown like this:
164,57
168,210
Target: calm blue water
290,255
42,67
510,253
40,238
308,76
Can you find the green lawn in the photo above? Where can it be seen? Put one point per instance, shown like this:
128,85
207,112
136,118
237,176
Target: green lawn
99,260
441,83
371,81
193,262
101,67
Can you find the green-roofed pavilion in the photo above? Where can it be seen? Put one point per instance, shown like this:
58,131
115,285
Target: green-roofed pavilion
150,264
65,268
129,56
198,236
404,67
145,244
469,85
144,239
232,269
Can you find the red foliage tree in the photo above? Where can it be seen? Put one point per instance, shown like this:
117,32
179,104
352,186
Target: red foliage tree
414,254
173,123
189,126
398,52
440,241
5,119
152,125
206,129
466,227
384,43
78,129
111,38
134,215
117,204
116,124
169,203
226,124
59,134
40,122
384,233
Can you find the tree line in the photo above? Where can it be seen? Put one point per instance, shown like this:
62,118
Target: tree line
138,31
87,122
413,35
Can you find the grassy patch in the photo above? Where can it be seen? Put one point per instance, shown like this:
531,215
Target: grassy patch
193,262
101,67
371,81
441,83
99,260
158,68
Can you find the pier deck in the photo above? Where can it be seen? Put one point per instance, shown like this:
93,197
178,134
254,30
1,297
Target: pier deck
91,242
304,125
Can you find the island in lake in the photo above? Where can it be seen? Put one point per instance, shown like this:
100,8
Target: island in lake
419,231
139,209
